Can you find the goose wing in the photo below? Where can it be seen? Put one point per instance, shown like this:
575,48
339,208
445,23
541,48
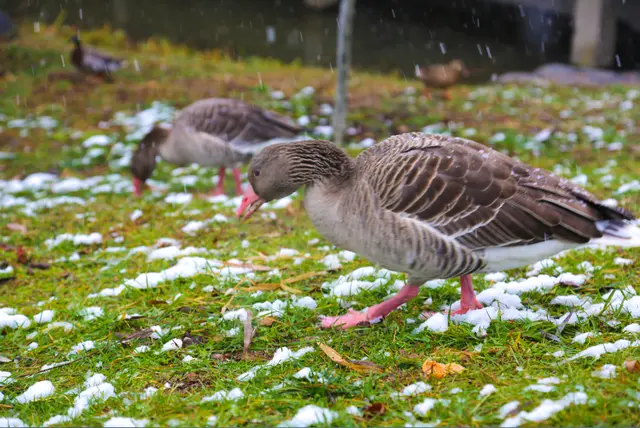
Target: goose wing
99,62
242,125
478,196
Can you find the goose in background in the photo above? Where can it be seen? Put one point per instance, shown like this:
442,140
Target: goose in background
214,132
92,62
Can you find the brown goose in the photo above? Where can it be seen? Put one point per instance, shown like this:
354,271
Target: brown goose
211,132
90,61
441,76
434,207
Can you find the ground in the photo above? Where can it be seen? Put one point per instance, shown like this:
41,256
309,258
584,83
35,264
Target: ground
143,309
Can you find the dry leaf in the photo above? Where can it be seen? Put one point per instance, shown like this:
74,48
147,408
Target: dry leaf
16,227
375,409
248,332
632,366
359,366
439,370
302,277
267,321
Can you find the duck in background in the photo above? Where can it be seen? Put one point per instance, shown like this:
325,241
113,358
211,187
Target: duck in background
92,62
214,132
441,76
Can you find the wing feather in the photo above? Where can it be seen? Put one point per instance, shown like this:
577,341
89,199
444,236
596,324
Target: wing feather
478,196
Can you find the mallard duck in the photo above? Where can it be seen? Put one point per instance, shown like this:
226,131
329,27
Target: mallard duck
212,132
434,207
91,61
441,76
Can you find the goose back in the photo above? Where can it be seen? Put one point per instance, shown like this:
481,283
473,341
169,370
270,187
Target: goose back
240,124
223,132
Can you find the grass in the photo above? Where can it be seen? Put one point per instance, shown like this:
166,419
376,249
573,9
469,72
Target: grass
511,356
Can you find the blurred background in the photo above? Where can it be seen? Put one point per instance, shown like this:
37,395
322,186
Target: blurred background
490,36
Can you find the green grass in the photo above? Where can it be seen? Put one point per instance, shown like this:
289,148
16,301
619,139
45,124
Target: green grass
512,355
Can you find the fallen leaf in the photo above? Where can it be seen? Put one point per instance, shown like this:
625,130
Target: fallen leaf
267,321
137,335
249,331
375,409
632,366
359,366
16,227
156,302
439,370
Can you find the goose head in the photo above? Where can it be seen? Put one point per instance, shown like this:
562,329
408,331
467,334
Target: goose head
75,40
458,66
143,161
281,169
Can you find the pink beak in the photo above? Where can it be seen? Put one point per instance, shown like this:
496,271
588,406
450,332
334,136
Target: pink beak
250,203
137,186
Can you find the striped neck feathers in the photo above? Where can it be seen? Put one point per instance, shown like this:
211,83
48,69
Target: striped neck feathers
281,169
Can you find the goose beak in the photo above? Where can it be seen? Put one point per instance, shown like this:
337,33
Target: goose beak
138,186
250,204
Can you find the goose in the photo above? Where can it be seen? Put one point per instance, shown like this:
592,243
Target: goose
218,132
441,76
90,61
434,207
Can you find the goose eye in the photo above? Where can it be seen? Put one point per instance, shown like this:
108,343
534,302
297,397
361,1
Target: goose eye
256,173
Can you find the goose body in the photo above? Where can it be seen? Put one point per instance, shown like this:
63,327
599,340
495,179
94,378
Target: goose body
441,76
214,132
91,61
435,207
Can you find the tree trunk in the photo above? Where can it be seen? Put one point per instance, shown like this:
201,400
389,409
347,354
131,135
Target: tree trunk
345,31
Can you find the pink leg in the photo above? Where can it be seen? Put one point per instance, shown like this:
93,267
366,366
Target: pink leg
353,318
468,299
219,189
238,180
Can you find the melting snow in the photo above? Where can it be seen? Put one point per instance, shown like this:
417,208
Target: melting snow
598,350
178,198
607,371
436,323
423,408
36,391
546,409
413,389
80,239
632,328
44,317
8,318
310,415
234,394
120,422
581,338
82,346
172,345
487,390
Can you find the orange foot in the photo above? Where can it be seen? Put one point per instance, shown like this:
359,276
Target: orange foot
464,308
350,319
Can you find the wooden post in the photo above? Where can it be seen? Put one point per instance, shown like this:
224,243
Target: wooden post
345,31
594,33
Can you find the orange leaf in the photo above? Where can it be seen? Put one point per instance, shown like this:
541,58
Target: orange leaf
439,370
632,366
267,321
359,366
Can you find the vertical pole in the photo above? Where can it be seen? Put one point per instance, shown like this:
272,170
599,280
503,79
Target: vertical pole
594,33
345,31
